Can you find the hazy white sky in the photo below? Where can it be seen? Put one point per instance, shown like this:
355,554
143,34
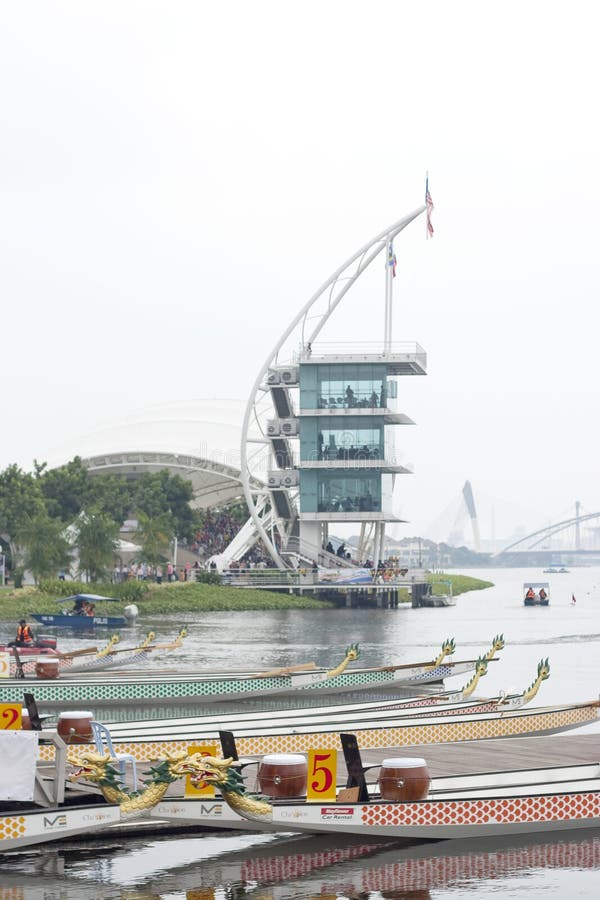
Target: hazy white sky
178,178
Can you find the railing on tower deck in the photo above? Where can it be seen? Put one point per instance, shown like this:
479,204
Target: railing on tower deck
367,351
324,577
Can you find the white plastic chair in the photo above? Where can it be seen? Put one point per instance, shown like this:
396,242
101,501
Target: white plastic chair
103,742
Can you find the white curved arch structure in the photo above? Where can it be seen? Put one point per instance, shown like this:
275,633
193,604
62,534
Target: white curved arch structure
257,448
213,483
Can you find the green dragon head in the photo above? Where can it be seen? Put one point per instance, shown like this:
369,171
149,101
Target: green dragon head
174,766
352,652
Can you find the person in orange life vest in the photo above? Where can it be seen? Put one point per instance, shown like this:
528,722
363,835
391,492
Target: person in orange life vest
24,636
530,594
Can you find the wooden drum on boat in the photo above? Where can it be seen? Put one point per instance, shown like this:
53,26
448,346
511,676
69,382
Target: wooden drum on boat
48,667
75,727
404,778
283,775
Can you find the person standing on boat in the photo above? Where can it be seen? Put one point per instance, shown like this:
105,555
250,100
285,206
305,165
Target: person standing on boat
24,636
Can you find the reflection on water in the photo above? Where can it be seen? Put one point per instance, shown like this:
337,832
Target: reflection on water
276,867
268,867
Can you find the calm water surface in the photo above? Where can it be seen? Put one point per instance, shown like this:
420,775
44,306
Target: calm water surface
268,867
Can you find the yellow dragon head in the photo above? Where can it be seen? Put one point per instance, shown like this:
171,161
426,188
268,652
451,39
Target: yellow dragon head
227,777
92,766
497,644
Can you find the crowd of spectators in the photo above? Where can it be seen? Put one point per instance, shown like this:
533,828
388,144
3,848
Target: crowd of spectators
159,574
218,529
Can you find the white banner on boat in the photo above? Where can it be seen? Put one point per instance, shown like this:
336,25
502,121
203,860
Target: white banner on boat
18,752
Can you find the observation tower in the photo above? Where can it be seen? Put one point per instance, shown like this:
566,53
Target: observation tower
318,443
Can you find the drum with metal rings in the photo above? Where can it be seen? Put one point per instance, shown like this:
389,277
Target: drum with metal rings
283,775
404,778
74,726
47,667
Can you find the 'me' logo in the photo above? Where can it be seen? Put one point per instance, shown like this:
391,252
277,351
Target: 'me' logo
57,822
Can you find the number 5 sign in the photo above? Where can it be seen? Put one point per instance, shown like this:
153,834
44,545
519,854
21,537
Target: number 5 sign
322,774
4,665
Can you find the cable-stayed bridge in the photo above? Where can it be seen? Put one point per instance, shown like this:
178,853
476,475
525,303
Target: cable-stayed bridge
571,537
565,539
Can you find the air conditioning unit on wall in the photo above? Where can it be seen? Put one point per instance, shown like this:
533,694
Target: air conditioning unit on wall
284,479
273,377
289,426
273,428
290,375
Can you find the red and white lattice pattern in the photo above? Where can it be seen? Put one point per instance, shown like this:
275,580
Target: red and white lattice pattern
501,810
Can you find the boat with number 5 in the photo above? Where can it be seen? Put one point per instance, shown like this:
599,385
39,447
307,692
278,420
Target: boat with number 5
503,803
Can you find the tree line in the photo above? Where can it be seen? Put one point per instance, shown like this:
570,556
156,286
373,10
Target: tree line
49,515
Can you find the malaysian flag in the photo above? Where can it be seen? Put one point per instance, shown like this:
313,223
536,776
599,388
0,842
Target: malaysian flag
429,205
392,260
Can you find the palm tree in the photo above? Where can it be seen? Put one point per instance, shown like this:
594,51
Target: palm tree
154,535
43,547
96,539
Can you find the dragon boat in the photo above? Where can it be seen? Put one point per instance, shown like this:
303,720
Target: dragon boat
503,803
93,659
500,803
295,718
379,731
111,657
124,688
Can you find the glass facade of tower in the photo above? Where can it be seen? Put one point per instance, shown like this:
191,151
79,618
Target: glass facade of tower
350,439
343,386
344,447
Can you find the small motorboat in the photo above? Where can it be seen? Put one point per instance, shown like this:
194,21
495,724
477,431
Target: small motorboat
536,593
44,645
83,616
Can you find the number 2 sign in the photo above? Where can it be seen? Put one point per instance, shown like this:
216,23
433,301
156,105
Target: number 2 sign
322,773
10,716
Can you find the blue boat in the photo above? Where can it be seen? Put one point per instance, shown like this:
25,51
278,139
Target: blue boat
83,614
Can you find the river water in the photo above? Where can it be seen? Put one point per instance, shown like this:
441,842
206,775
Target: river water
276,867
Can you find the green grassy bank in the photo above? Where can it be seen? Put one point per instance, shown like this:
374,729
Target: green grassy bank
154,599
461,584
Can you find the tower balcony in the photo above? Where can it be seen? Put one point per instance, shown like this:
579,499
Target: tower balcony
345,466
400,358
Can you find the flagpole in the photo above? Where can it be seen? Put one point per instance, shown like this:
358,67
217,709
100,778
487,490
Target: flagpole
389,274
